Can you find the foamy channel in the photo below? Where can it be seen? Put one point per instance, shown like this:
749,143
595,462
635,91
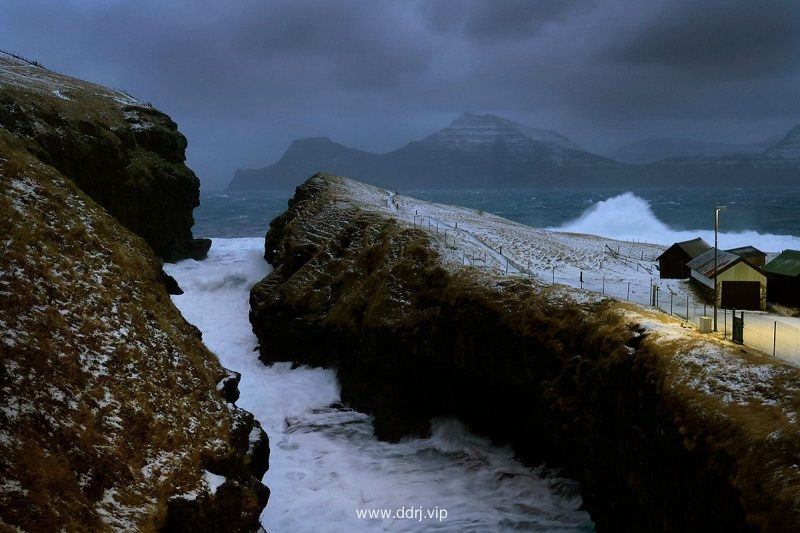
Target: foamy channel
326,466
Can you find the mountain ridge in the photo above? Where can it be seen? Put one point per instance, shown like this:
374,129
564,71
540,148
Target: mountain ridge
472,148
656,149
488,151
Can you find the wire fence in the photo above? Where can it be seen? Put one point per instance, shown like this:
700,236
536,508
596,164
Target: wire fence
761,331
22,58
674,297
771,336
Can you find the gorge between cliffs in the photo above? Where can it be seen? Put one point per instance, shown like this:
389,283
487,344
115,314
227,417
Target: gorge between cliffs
663,428
402,355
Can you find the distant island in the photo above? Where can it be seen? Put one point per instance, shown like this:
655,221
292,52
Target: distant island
487,151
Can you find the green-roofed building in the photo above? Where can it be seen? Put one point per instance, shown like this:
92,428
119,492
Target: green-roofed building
783,273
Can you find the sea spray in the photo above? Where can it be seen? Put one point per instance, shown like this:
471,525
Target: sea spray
326,465
630,217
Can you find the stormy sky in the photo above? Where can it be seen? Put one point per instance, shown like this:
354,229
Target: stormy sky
244,77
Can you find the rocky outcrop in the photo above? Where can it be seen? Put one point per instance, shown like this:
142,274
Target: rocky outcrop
660,426
115,417
114,412
125,155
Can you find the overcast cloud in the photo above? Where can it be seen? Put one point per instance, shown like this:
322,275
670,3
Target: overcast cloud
243,78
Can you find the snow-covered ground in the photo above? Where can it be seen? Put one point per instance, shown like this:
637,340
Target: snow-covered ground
326,466
21,73
622,269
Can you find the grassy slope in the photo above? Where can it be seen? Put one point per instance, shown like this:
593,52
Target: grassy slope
109,396
126,155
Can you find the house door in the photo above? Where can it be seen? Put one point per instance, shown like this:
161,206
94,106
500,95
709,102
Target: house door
741,295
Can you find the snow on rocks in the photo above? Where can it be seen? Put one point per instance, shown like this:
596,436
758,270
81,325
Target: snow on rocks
32,76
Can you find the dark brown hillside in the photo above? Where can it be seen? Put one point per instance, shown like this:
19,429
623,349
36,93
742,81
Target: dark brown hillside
126,155
114,415
665,428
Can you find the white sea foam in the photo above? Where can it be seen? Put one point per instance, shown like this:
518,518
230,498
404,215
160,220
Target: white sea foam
629,217
325,463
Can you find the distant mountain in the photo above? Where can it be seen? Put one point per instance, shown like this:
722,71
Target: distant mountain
474,150
303,158
471,131
788,148
487,151
657,149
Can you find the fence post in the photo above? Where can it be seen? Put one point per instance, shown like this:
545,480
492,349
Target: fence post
687,307
774,337
628,298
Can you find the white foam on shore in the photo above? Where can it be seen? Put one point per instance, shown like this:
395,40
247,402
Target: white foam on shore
326,464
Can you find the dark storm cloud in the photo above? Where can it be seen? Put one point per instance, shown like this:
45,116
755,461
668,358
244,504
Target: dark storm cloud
244,78
718,38
490,20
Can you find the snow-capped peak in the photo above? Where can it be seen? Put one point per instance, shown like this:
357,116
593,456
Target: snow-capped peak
472,129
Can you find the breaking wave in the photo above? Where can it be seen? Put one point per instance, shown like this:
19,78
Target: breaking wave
629,217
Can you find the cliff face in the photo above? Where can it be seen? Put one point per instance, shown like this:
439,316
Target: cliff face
662,429
114,415
124,154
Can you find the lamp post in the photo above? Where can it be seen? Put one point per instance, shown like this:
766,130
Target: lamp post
717,209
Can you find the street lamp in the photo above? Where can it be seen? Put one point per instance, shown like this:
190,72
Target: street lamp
717,209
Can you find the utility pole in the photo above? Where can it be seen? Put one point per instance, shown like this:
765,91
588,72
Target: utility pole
717,209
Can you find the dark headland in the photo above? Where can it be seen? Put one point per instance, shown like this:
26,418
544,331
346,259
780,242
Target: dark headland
115,414
666,429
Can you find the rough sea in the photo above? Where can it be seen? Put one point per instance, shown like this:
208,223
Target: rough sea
328,473
767,218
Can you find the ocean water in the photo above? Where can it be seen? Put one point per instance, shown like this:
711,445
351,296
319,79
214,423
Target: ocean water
767,218
328,472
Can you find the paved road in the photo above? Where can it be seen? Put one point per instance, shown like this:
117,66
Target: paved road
773,333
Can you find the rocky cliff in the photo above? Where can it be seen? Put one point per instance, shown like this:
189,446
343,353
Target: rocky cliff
114,415
126,155
666,430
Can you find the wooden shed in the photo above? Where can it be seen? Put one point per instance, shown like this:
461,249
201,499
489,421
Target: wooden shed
672,263
783,274
741,285
751,254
